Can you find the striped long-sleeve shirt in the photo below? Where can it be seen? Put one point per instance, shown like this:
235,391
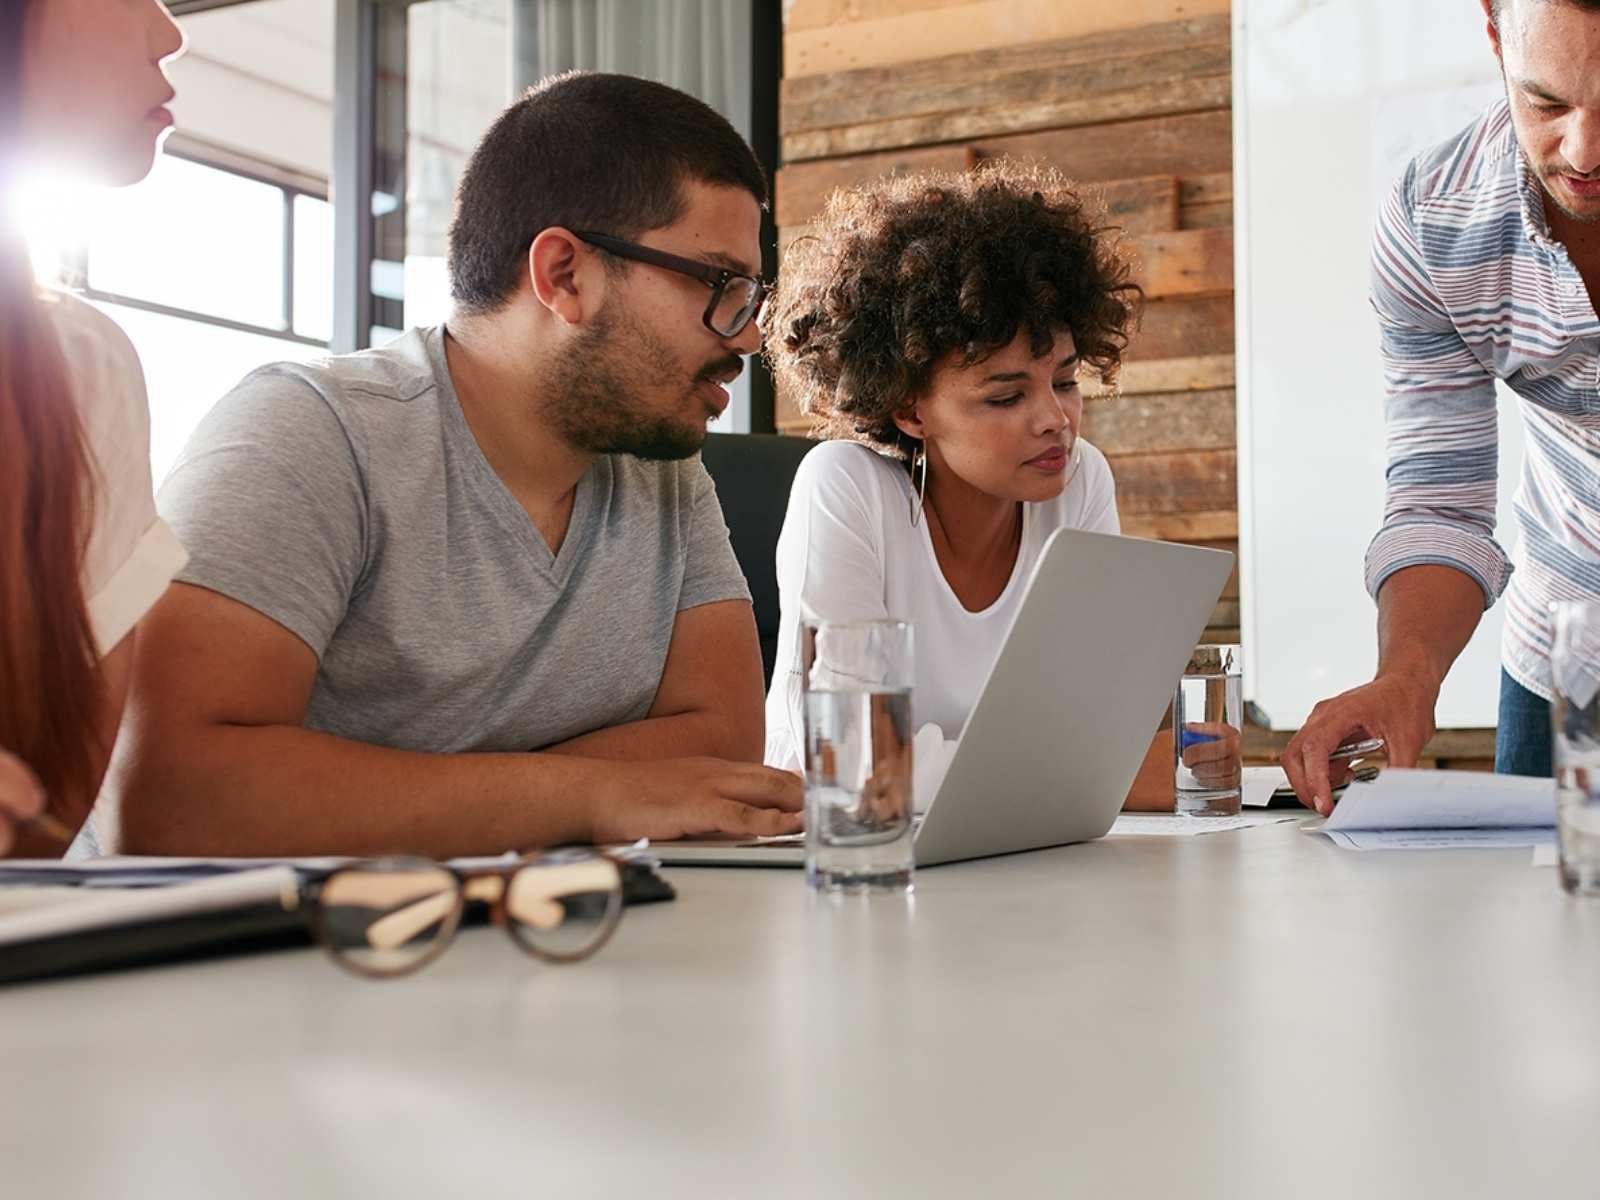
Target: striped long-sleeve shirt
1469,288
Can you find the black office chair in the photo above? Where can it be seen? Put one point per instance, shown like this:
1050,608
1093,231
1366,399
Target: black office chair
753,472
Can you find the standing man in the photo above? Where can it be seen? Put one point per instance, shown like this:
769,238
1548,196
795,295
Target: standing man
1486,266
473,591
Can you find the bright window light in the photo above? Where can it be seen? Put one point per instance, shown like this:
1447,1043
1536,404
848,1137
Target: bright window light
193,237
313,268
53,216
196,238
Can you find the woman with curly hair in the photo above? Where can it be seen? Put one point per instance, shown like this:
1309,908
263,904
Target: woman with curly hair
936,326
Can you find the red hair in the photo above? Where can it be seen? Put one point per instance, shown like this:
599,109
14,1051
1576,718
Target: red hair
50,683
49,669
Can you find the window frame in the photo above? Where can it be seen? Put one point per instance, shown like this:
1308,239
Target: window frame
289,184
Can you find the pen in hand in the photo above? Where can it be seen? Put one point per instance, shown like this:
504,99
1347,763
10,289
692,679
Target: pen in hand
50,827
1352,749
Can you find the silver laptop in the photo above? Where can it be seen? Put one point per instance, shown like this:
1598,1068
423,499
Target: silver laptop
1063,721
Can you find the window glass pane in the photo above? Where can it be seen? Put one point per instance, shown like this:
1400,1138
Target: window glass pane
458,79
313,268
188,367
194,237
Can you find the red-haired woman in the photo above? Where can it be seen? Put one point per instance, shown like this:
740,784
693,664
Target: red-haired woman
82,553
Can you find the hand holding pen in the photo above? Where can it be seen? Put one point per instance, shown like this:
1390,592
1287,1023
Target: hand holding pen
1397,706
22,806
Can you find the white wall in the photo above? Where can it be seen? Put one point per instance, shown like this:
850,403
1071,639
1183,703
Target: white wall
258,79
1331,100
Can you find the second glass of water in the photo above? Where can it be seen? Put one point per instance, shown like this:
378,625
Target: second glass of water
1575,717
1207,729
856,678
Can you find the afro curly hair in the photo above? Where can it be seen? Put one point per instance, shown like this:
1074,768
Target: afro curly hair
900,273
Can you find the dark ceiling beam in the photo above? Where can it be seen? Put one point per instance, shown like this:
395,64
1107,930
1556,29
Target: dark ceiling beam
187,8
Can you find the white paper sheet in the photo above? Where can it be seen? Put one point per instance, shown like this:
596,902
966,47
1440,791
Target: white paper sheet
1402,799
931,753
1178,825
126,906
134,871
1442,810
1259,783
1440,839
25,899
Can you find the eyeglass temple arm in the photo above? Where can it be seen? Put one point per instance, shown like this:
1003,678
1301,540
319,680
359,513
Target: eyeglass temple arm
399,927
537,907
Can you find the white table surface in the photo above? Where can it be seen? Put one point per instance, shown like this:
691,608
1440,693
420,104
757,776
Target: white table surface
1254,1013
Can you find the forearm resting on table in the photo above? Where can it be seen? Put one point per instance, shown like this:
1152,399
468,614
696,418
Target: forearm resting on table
679,735
1426,615
1152,789
270,791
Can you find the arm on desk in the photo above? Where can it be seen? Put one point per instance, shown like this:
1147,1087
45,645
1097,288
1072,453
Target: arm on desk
214,762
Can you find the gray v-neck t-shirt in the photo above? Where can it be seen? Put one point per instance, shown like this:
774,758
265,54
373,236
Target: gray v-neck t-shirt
348,500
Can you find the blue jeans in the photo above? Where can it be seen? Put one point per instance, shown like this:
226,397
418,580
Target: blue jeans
1522,739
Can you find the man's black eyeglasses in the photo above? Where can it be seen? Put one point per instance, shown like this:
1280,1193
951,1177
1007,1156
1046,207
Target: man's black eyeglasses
735,298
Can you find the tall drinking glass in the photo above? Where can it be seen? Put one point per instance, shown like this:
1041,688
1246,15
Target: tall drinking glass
1575,749
856,678
1207,728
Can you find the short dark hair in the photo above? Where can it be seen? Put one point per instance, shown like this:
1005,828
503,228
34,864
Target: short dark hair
584,151
897,274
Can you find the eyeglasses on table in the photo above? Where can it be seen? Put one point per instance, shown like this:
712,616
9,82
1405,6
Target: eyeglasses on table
391,916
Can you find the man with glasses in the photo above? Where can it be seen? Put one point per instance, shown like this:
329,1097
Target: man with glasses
473,591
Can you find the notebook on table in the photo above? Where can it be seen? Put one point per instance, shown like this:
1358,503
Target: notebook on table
69,918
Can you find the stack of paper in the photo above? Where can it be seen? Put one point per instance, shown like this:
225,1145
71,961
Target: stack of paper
1432,810
34,913
48,929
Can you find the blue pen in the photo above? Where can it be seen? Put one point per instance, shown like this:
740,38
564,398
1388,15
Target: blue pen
1187,738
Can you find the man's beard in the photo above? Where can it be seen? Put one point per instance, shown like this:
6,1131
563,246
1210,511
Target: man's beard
593,401
1547,181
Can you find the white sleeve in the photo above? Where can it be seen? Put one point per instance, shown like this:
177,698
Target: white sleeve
131,554
121,602
1100,493
829,566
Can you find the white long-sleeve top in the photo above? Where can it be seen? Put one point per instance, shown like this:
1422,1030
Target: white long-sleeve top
848,551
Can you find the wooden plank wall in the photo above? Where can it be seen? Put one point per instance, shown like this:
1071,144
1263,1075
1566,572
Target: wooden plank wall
1132,97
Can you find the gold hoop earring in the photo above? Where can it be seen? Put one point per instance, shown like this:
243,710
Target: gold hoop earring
919,471
1074,462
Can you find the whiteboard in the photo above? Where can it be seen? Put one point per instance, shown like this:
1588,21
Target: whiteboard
1331,98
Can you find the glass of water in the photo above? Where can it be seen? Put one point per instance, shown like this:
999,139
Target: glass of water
1207,729
1575,750
856,679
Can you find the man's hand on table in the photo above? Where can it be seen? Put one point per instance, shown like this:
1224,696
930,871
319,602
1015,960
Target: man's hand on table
691,797
1398,708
